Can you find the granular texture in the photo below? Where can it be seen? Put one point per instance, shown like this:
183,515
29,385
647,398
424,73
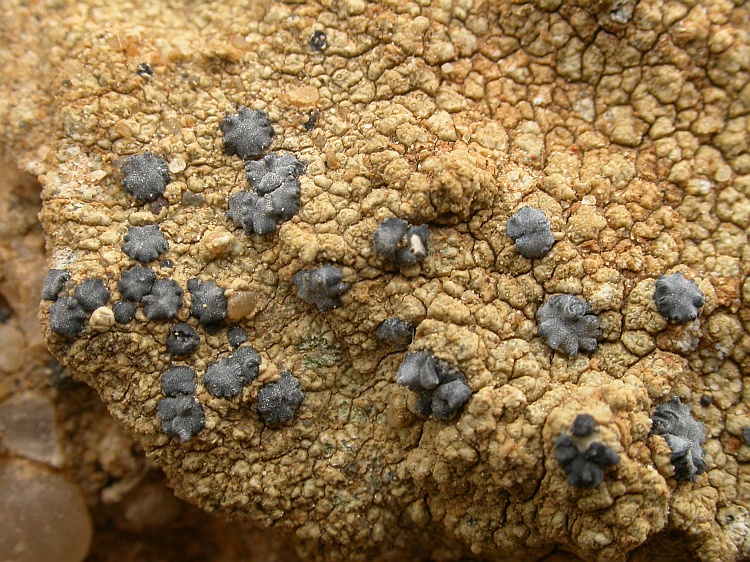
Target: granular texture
625,123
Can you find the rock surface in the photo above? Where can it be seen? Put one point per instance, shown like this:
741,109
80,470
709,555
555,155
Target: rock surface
626,124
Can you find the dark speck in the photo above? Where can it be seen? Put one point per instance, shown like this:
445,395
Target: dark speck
193,199
124,312
167,263
318,41
182,340
706,400
67,83
236,336
144,69
158,204
312,120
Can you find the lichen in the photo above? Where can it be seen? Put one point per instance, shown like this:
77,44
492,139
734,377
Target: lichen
568,323
247,133
124,312
181,416
54,283
136,282
227,376
530,229
144,243
274,171
67,317
625,123
261,214
178,380
400,242
322,286
145,176
583,459
208,303
678,299
236,336
182,340
440,387
319,352
279,401
164,300
92,293
396,331
675,423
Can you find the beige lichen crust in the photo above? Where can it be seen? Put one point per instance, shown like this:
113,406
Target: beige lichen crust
625,123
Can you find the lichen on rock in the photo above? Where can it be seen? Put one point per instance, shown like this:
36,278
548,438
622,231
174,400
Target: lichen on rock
144,243
685,437
261,213
54,283
91,294
181,416
136,282
163,301
124,312
625,123
208,303
583,459
530,229
278,401
178,380
400,242
440,387
273,171
67,317
247,133
227,376
568,323
396,331
678,299
145,176
321,286
182,340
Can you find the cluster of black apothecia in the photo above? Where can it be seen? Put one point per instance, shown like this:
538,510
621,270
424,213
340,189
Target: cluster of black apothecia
145,177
